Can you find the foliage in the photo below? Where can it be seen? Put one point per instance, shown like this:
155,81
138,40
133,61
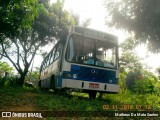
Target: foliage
158,71
46,27
16,15
129,44
76,18
6,75
129,101
128,59
142,82
8,81
33,76
138,16
86,23
122,81
132,73
157,88
5,68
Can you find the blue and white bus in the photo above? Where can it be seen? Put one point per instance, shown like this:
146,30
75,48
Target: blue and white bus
85,59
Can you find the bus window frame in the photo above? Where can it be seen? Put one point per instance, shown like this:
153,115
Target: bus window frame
116,45
55,48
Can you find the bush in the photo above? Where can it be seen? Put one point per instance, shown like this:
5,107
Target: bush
9,81
157,88
131,78
143,86
122,81
141,81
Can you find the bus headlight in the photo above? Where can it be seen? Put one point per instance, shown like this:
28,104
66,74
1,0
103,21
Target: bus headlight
74,76
110,81
68,75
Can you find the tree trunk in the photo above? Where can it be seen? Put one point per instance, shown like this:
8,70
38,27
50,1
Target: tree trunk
21,79
23,75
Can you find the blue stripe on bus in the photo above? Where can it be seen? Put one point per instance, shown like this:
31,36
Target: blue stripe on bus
59,84
75,67
88,74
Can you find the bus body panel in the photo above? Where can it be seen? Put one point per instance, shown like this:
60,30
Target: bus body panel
45,77
89,73
85,78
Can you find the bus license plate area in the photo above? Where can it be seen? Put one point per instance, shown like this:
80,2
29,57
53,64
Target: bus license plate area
93,85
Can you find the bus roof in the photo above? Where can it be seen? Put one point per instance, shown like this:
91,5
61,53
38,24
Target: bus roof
92,33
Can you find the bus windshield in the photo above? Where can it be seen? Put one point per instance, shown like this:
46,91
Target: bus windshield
89,51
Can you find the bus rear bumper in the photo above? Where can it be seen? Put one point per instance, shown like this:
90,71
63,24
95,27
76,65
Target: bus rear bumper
89,85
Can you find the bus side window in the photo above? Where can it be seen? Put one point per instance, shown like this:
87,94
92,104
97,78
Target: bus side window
58,51
45,64
52,56
42,66
48,60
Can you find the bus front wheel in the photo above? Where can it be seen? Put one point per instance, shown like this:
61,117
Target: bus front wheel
39,84
92,94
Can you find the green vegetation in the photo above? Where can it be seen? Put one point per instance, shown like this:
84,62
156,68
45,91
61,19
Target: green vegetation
138,17
18,98
27,27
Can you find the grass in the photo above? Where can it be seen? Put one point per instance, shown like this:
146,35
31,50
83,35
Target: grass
136,102
69,103
13,97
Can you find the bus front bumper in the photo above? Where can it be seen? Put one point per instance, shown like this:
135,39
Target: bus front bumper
89,85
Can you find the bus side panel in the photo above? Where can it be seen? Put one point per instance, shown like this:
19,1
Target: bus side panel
55,71
59,80
43,78
66,66
51,70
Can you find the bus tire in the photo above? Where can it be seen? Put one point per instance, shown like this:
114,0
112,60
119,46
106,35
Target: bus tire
39,84
52,82
92,94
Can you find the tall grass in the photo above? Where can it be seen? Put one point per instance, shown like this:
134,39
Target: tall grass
11,97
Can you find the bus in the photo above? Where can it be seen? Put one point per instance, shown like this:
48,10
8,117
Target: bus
84,59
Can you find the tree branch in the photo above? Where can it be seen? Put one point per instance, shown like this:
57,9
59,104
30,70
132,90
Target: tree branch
6,55
18,52
25,62
2,55
22,59
36,48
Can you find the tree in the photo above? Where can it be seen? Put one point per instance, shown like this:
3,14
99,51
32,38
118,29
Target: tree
46,27
5,68
128,59
158,71
86,23
76,18
16,15
145,84
138,16
130,65
132,73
